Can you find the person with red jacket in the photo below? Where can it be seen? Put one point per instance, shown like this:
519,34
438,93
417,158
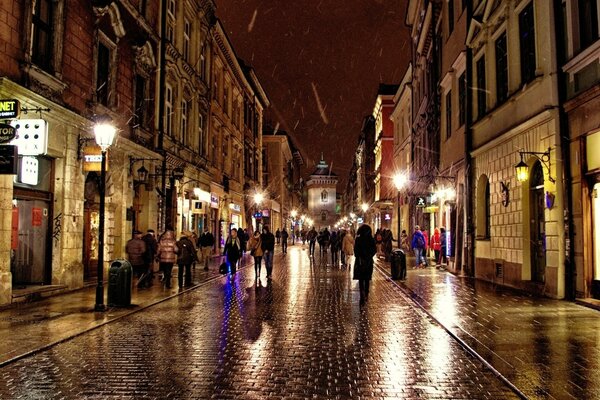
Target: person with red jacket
436,245
425,250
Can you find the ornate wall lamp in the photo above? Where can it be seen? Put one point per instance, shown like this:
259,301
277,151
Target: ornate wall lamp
142,173
522,169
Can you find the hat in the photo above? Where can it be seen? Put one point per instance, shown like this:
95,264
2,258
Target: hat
136,232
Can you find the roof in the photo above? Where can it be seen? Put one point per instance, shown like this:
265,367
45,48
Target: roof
323,169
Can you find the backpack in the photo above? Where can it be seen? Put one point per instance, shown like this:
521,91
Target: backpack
420,241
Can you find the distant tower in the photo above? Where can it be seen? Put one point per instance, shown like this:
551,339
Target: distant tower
322,194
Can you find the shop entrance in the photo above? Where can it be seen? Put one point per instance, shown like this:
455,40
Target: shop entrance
596,234
91,220
537,224
31,256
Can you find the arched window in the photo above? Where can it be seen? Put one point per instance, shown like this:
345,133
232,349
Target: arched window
483,222
324,196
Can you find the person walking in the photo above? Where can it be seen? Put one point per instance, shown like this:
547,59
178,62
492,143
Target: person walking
241,234
404,245
149,256
335,245
255,246
323,240
443,261
418,246
268,247
436,246
278,235
284,240
185,258
206,243
387,239
425,251
379,242
311,236
347,247
364,250
167,255
135,249
233,250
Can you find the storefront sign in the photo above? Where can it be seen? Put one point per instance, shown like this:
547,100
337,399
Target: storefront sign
203,195
421,202
258,215
235,207
265,213
387,217
29,171
197,207
32,136
7,133
9,108
92,159
8,160
214,200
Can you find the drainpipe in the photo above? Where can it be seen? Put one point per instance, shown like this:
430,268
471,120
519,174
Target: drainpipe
469,176
570,270
161,115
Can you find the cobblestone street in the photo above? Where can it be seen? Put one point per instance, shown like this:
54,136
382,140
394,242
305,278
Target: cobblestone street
303,335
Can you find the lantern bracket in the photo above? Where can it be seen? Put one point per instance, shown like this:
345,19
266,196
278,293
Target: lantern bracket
543,157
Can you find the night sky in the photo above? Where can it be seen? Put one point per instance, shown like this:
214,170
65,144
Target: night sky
320,62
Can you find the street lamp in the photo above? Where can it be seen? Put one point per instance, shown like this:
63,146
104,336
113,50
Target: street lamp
400,181
104,133
522,168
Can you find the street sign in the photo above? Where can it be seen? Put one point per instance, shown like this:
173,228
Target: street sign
7,133
9,108
421,202
8,160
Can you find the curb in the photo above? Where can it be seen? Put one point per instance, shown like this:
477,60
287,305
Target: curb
415,299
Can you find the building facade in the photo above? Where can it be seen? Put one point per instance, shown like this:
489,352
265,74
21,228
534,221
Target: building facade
322,196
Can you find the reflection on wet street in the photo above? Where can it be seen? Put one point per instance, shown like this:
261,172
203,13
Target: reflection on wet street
301,335
547,348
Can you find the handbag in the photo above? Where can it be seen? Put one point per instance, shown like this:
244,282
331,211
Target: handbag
223,268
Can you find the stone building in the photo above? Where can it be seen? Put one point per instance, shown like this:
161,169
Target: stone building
322,196
66,63
580,88
519,226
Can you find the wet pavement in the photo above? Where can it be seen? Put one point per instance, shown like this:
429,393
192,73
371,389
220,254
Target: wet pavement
549,349
301,335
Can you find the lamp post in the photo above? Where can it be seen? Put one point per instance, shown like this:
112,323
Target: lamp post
258,198
400,180
104,133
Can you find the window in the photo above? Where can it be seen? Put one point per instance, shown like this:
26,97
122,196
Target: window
226,99
201,132
450,16
140,113
103,74
168,110
187,29
483,220
185,109
224,148
588,22
481,87
527,42
324,196
41,45
448,114
170,34
203,64
462,98
501,69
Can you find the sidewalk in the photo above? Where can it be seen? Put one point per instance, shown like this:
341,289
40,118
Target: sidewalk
546,348
27,328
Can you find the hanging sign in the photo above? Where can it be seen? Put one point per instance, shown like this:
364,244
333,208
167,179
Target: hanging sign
9,108
421,202
8,160
7,133
92,159
31,137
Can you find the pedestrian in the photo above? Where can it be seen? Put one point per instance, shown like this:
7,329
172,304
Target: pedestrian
425,251
233,250
150,254
206,244
379,242
347,247
311,236
303,236
278,235
418,246
335,246
364,250
323,240
387,239
255,246
284,240
436,246
268,247
194,239
135,249
167,255
443,248
185,258
243,240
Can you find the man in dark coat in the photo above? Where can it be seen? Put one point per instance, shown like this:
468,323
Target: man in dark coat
268,247
151,249
206,243
364,250
185,258
284,240
135,249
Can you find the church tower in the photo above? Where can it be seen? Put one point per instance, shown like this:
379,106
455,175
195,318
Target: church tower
322,194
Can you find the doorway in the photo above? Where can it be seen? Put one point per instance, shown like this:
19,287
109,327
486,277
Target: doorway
537,223
596,233
91,221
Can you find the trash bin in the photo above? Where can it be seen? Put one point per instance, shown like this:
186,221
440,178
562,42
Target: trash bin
119,283
398,265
